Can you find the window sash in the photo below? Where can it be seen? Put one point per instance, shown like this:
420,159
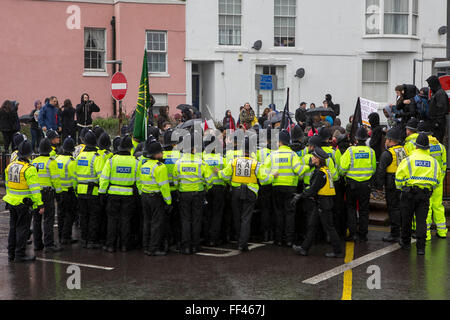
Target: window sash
94,49
156,47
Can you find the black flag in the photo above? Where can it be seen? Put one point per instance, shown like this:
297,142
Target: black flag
357,121
286,120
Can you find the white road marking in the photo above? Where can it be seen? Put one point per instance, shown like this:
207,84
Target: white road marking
230,253
353,264
70,263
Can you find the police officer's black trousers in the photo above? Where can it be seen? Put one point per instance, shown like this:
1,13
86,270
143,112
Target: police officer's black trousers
89,214
137,223
67,210
48,198
265,204
322,214
120,210
416,202
284,213
216,203
19,229
173,225
243,202
393,207
191,209
358,191
154,220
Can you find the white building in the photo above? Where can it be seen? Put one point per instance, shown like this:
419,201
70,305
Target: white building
348,48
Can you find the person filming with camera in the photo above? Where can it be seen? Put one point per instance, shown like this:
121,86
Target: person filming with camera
84,112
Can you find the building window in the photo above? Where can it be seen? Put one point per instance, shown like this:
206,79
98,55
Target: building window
375,80
94,49
278,98
230,12
157,51
284,24
160,101
400,17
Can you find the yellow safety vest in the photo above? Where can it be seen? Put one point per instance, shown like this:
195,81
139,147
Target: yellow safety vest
328,188
244,170
16,175
398,154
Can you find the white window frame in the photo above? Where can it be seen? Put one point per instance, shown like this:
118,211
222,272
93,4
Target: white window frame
95,70
166,51
289,17
381,14
387,82
227,14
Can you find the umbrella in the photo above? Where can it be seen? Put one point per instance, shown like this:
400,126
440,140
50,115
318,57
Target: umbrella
321,112
25,118
278,117
183,107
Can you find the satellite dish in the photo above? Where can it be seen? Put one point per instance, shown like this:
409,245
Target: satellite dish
442,30
257,45
300,73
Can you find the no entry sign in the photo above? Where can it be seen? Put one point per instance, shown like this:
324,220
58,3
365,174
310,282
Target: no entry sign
119,86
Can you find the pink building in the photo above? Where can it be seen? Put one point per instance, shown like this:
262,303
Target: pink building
51,47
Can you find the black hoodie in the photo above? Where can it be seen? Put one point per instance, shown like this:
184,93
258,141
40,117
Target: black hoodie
438,106
84,111
376,138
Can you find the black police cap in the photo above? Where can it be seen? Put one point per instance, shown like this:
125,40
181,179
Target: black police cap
90,139
126,144
412,124
69,144
45,147
422,141
104,142
319,153
25,149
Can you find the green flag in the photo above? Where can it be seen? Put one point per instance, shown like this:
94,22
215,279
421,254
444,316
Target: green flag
143,104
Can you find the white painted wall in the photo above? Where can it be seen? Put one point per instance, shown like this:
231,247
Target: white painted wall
330,45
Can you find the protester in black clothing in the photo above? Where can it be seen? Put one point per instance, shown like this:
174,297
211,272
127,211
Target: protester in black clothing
406,103
376,138
228,121
8,123
321,193
438,108
300,115
69,126
36,131
84,112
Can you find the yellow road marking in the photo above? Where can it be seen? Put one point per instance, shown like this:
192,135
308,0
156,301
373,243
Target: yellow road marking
348,275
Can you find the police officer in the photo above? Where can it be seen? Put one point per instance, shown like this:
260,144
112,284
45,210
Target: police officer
416,177
411,135
115,144
104,145
67,204
215,194
389,161
89,165
81,145
320,193
22,194
118,181
286,167
358,165
170,156
191,174
18,138
53,136
244,173
437,210
153,184
49,181
265,197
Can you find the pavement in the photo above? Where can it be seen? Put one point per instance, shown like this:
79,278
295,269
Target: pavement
370,271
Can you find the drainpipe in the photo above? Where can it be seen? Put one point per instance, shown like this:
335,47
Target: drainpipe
113,25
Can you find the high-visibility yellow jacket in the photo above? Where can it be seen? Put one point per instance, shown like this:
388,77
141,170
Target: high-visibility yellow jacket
418,170
191,173
335,155
89,166
214,160
66,169
48,175
53,152
78,149
119,175
21,181
410,143
288,164
235,172
170,158
261,156
230,155
153,178
358,163
438,151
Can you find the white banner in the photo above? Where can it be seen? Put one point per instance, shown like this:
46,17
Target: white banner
367,107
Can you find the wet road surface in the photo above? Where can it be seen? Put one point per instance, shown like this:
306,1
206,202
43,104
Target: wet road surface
266,272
